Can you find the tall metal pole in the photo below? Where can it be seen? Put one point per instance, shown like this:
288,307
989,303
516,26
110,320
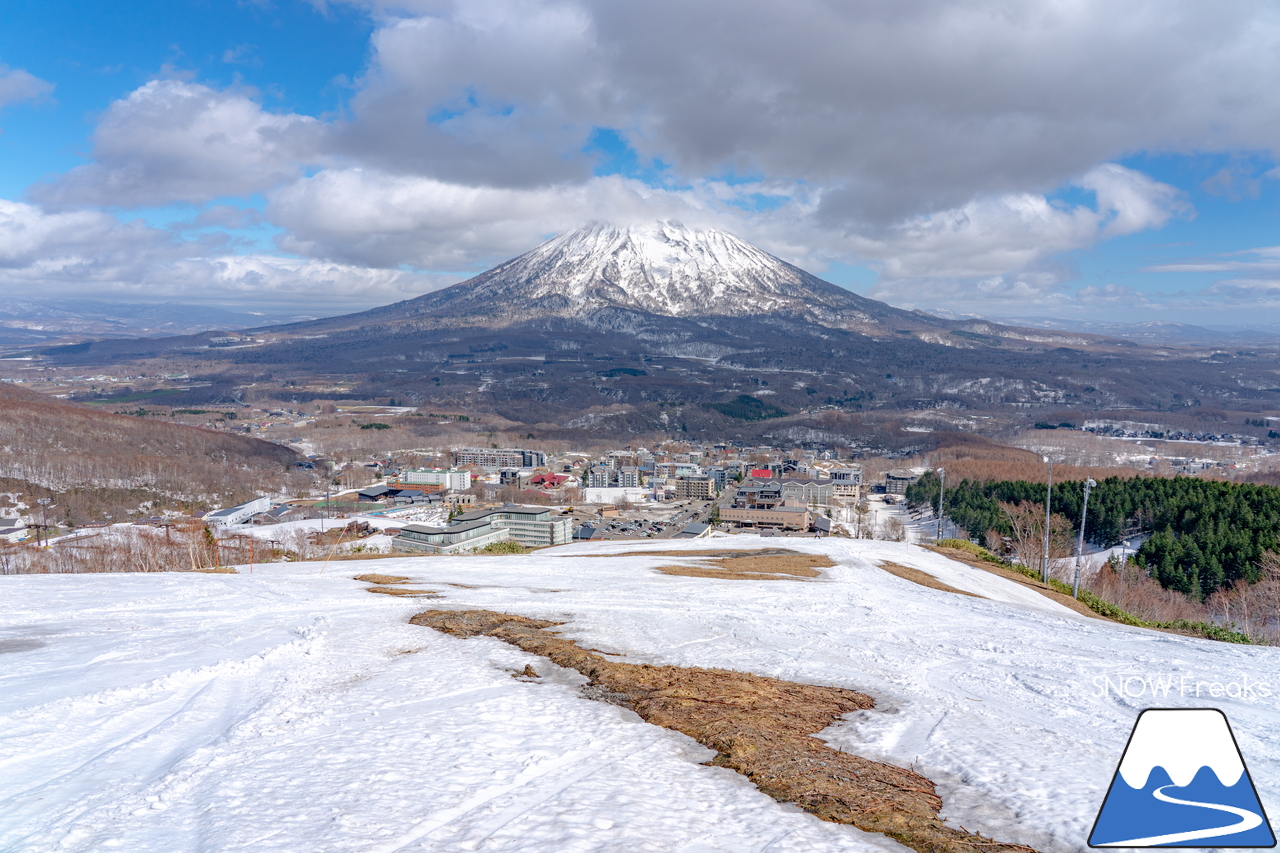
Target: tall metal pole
1048,499
1084,515
942,485
44,523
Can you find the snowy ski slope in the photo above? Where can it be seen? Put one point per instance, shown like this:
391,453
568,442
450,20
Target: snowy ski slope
290,710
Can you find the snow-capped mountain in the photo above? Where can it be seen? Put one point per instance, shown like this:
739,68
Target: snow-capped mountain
662,268
659,268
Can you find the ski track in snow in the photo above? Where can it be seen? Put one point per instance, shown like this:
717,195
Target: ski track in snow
293,711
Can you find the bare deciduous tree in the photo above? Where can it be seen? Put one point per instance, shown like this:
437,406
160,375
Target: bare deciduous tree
1027,542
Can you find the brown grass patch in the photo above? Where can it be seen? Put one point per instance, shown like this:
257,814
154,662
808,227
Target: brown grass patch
383,579
701,555
752,565
399,590
761,727
923,578
1008,574
223,570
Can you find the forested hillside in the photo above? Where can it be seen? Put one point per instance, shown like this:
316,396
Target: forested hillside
1204,534
105,465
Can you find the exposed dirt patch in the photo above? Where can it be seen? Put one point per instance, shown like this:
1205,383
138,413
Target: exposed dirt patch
752,566
224,570
923,578
700,555
1044,589
760,727
381,578
399,590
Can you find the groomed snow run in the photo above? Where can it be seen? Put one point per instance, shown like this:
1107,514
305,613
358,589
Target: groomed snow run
291,710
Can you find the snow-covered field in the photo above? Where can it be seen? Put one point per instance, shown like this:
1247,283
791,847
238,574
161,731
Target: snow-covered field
290,710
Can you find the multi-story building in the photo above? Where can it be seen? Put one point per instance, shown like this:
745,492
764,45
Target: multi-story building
786,517
897,480
808,492
454,539
628,477
238,514
450,478
757,496
492,460
514,476
847,482
720,478
676,469
532,526
694,488
599,477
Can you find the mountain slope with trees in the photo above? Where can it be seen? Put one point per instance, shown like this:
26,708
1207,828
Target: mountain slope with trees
100,465
1203,534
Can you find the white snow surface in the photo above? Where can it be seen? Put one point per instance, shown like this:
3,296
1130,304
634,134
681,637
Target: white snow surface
663,268
290,710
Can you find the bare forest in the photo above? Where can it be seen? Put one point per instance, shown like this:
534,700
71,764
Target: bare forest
111,466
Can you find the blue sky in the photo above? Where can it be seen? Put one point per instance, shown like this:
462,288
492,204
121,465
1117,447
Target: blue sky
999,158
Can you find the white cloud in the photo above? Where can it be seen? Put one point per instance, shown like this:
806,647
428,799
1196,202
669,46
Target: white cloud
87,253
28,236
1000,249
371,217
177,141
17,85
896,109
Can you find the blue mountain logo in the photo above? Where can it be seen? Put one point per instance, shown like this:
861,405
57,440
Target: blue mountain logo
1182,783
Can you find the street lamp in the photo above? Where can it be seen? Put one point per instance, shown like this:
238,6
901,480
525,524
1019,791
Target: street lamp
1048,499
44,521
1084,514
942,485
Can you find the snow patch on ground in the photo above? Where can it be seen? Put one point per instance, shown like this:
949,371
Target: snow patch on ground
291,710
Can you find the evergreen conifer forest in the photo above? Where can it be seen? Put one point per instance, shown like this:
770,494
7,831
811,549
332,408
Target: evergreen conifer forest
1203,534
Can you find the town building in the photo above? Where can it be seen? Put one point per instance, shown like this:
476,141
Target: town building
897,480
694,530
693,488
238,514
721,477
449,478
676,469
492,460
531,526
785,517
847,482
13,530
809,492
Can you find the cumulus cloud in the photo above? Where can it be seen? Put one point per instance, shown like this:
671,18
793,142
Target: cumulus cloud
1002,248
372,217
897,109
172,140
17,85
87,253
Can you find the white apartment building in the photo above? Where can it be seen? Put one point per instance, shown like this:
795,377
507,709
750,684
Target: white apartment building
451,478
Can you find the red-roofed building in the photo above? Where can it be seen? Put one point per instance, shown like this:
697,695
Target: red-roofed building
551,481
761,473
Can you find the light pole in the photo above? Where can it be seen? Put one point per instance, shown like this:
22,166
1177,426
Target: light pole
942,485
1048,499
44,521
1084,514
